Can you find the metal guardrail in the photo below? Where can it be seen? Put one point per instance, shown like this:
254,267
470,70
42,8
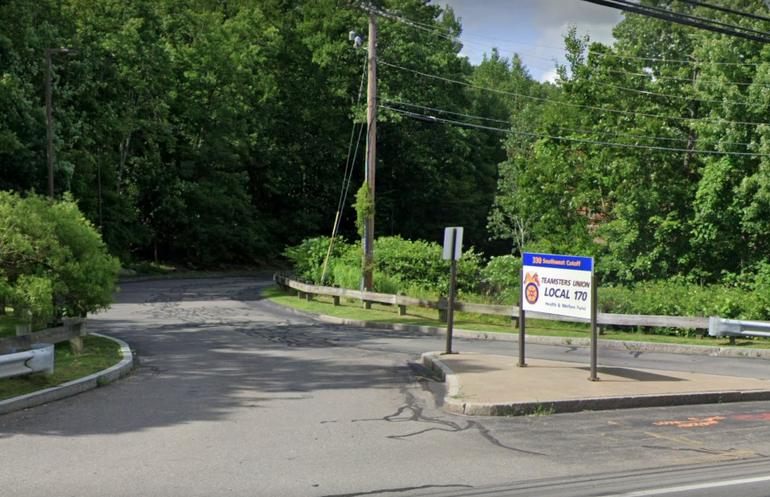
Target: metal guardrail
603,319
37,360
738,328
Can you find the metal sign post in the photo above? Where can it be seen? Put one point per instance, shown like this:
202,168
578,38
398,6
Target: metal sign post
453,241
594,331
522,326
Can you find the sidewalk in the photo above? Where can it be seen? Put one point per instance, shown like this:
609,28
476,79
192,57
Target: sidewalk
489,385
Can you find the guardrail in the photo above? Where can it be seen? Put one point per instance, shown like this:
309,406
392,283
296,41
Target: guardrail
736,328
37,360
72,331
307,290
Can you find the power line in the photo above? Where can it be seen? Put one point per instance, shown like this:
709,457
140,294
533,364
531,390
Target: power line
680,19
683,16
440,120
666,95
433,28
645,75
573,130
672,78
676,61
725,9
568,104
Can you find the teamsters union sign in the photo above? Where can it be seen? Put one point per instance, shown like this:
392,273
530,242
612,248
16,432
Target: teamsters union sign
557,284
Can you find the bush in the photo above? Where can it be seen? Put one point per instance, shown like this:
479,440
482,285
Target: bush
53,261
501,277
420,264
398,262
308,258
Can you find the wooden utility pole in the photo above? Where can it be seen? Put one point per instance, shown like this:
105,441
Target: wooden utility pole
371,149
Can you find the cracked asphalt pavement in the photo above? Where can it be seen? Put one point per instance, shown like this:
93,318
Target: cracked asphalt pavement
235,395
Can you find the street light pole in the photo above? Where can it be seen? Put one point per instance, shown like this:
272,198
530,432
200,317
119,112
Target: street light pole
49,112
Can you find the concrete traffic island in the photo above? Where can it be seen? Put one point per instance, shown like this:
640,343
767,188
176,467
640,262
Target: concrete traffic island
489,385
74,387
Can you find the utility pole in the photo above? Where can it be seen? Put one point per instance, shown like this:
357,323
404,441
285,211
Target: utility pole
371,149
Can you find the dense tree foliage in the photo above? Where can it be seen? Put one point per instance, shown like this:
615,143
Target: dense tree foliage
655,160
210,132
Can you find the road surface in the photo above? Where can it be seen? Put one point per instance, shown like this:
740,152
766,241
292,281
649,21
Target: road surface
238,396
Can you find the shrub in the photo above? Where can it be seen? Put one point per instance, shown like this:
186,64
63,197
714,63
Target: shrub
420,264
501,277
52,261
308,257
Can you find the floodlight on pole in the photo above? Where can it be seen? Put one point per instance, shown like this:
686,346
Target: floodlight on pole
49,111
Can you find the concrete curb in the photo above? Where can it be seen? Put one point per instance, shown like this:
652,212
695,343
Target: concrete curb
75,386
544,340
453,398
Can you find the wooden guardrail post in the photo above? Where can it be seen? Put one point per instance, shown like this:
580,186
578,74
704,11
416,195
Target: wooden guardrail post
699,331
367,304
401,307
443,306
515,318
78,325
336,298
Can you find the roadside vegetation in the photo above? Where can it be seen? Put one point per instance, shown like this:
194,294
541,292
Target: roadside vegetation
383,313
416,268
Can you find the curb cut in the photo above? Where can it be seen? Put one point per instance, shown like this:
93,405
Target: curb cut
431,360
75,386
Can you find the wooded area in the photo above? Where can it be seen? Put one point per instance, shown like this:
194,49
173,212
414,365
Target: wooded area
210,132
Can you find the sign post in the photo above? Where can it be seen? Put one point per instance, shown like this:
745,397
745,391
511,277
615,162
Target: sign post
562,285
453,243
522,326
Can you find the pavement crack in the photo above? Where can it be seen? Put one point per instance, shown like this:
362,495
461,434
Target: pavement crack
397,490
485,432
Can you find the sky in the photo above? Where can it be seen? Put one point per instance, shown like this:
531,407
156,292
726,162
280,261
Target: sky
532,28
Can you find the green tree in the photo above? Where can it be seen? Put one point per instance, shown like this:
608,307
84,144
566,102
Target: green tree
52,261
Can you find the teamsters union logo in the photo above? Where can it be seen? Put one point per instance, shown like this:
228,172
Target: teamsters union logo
531,288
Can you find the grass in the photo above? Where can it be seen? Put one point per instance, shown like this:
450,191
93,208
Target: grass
353,309
100,353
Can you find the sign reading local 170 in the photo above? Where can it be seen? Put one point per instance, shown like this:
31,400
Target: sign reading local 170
557,284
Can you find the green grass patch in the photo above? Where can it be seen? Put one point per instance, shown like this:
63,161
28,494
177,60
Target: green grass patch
353,309
100,353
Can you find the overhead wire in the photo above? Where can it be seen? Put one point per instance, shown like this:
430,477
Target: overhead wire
680,19
725,9
428,27
433,30
347,175
572,130
569,104
563,138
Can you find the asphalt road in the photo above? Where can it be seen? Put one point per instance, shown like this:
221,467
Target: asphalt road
238,396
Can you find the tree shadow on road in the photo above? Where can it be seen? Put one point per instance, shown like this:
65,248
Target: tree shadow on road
208,371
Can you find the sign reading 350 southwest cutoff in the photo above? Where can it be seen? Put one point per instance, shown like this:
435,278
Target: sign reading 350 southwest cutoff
557,284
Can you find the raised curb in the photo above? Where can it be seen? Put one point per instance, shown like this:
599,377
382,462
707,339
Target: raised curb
454,404
544,340
75,386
